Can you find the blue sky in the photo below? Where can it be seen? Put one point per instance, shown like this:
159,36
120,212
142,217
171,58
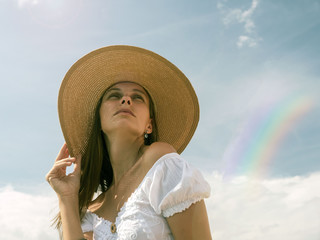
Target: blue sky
240,56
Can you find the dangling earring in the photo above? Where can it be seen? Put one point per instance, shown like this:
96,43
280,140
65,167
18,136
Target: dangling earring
146,135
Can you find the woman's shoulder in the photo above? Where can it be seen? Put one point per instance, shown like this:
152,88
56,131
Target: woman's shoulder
160,148
155,151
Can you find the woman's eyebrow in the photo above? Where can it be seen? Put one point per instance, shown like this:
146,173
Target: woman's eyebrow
110,89
118,89
113,89
138,90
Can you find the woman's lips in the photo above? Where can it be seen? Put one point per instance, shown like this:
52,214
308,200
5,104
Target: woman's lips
125,111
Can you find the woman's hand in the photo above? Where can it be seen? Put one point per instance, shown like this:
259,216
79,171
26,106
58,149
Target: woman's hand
65,185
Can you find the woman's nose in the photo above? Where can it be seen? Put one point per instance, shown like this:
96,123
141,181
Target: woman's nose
126,99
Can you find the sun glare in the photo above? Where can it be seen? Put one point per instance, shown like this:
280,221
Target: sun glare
52,13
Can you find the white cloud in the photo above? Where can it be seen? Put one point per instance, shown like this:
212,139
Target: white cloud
237,15
239,209
277,209
26,216
247,41
23,3
244,17
241,16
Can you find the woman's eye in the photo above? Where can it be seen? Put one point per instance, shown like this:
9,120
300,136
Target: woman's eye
138,97
114,96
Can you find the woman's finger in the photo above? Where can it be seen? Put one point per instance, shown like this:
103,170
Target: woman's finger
62,164
63,152
56,170
70,159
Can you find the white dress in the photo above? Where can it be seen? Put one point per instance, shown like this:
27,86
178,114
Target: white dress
169,187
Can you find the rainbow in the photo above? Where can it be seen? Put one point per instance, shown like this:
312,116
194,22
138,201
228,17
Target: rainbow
254,148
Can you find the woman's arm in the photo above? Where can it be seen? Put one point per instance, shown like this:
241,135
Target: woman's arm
71,225
191,224
67,188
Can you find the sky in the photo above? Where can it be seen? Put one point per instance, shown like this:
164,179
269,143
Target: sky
254,65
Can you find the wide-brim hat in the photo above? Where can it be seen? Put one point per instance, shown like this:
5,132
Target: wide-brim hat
175,101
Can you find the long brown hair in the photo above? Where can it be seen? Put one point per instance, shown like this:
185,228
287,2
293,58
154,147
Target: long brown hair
96,160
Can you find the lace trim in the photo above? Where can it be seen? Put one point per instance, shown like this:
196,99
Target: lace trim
87,222
180,207
87,228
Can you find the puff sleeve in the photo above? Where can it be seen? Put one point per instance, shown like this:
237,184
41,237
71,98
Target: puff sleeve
173,185
87,222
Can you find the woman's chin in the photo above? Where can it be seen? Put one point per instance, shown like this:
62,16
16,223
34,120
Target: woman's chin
123,128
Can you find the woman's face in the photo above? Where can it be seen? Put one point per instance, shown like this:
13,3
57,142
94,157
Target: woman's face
125,107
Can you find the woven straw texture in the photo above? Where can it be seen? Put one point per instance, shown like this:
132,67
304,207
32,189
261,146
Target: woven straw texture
176,104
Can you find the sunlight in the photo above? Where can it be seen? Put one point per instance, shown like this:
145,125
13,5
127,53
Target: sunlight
52,13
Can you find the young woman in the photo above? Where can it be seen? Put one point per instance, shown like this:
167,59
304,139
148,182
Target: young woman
126,114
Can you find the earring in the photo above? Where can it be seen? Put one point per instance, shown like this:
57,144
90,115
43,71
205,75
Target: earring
146,135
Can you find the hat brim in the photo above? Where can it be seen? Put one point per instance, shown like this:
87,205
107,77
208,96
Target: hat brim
176,104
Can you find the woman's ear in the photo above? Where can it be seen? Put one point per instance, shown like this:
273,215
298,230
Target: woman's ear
149,127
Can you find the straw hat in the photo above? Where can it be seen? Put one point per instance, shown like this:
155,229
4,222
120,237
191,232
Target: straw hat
176,104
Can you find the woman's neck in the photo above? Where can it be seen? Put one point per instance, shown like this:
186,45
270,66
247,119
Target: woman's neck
123,153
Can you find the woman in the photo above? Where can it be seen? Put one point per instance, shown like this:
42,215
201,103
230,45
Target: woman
126,113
